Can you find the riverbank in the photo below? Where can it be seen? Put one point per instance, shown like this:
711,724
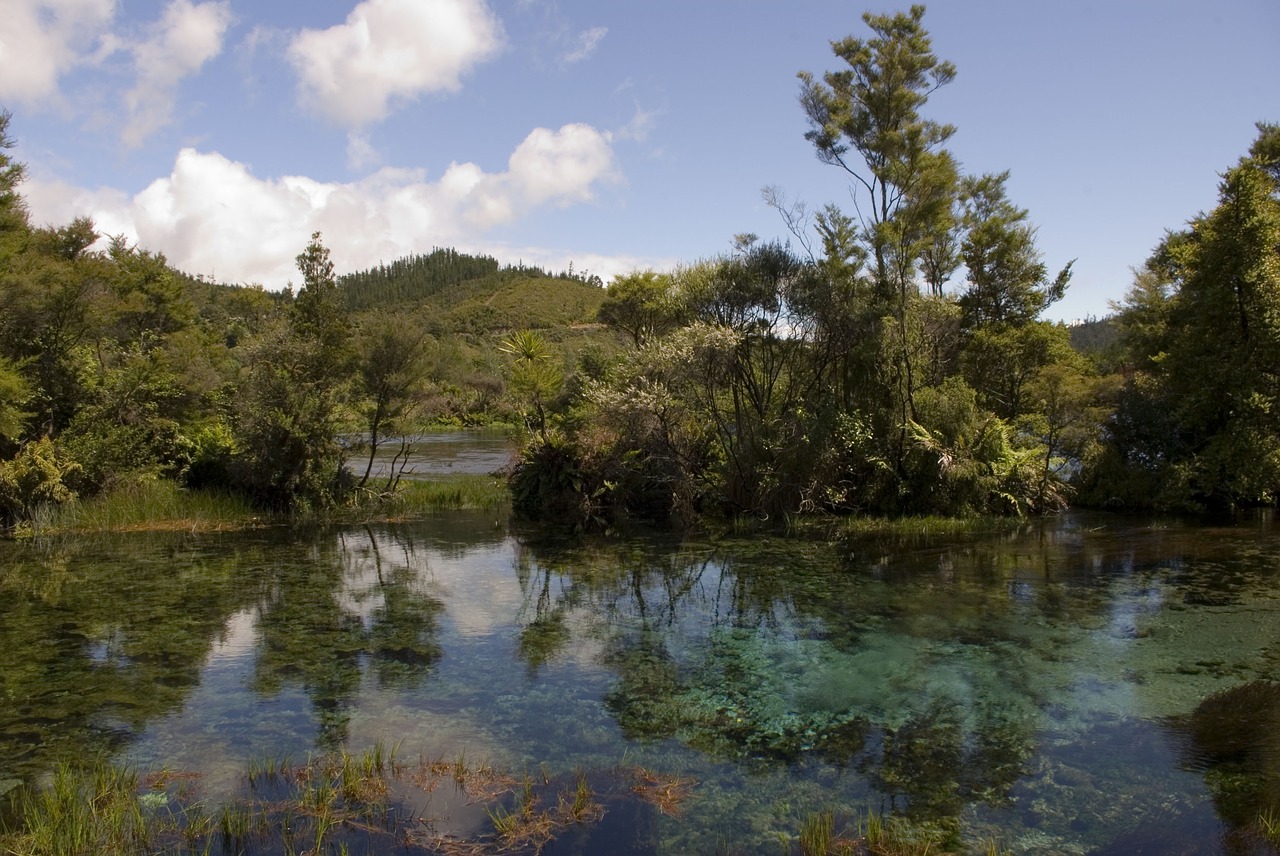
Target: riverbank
165,506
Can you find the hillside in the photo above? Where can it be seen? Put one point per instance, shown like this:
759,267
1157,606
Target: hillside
453,292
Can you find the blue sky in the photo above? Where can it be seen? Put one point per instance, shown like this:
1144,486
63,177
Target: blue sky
613,135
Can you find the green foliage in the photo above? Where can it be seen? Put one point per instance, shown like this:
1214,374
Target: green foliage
535,376
1198,425
129,422
1000,359
147,504
870,110
640,304
961,459
15,394
13,210
37,476
286,422
1007,279
391,378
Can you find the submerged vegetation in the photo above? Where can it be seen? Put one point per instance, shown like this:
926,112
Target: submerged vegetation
336,803
367,803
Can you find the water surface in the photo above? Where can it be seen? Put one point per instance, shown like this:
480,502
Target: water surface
1047,687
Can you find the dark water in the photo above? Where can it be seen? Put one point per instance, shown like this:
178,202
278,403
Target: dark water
1047,688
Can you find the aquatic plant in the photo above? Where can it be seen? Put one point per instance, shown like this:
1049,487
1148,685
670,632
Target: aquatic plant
816,834
329,803
84,813
441,493
823,834
1237,725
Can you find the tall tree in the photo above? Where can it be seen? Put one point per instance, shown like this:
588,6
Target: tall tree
1008,281
1199,424
289,407
13,210
392,371
865,119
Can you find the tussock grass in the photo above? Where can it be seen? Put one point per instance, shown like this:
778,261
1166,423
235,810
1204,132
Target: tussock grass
873,834
928,527
445,494
149,505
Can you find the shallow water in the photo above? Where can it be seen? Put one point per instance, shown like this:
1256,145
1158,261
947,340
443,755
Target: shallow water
1037,687
466,451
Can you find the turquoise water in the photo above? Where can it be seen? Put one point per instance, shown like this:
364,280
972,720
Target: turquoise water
1047,688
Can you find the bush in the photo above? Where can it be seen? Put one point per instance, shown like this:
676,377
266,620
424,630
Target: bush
37,476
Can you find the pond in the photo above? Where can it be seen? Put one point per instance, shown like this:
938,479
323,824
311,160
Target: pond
1046,688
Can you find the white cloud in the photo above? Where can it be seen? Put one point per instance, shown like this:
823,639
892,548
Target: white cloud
212,216
361,153
41,40
638,128
178,45
587,42
389,50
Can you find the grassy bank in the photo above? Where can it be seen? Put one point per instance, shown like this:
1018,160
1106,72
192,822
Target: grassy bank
153,505
443,493
165,506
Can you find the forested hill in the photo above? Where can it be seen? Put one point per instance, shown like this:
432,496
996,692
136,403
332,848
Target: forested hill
1095,336
413,278
457,292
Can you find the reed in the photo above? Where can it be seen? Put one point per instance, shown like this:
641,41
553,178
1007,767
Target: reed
84,812
817,831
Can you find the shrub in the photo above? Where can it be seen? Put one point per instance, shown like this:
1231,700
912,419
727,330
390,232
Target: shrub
37,476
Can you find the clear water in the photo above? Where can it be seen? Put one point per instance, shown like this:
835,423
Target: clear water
1040,687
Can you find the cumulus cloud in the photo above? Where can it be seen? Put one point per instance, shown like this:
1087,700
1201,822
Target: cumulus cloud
41,40
587,42
186,37
389,50
213,216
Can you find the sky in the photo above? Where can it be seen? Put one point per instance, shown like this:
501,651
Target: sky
610,135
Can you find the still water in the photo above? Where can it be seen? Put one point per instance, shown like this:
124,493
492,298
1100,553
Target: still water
1045,687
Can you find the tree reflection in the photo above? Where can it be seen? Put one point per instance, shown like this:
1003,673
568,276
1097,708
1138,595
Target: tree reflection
99,638
326,617
1233,738
779,652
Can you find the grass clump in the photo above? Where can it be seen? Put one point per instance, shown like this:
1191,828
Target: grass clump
823,834
146,505
331,804
83,813
159,505
445,493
